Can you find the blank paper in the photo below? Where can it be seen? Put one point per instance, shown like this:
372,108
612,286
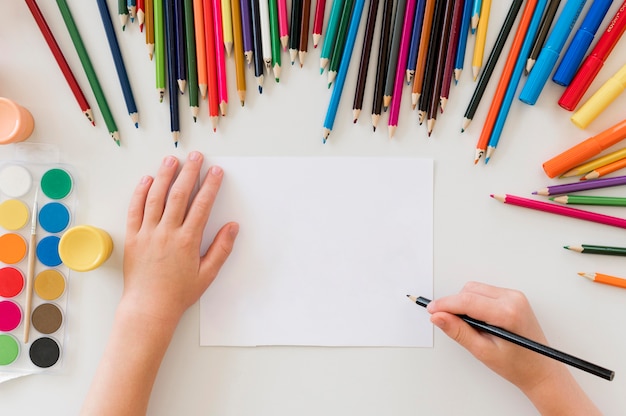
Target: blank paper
327,251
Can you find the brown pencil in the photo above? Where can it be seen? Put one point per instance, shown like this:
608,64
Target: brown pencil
365,59
420,67
304,31
385,35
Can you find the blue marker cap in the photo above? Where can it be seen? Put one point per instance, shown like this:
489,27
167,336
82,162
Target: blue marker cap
538,76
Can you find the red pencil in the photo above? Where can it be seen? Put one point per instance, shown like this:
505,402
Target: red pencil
58,55
594,62
211,63
318,22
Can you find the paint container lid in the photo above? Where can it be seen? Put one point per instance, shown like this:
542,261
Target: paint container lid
10,315
16,122
47,318
84,247
56,183
13,214
54,217
12,248
11,282
44,352
15,180
50,284
9,349
48,251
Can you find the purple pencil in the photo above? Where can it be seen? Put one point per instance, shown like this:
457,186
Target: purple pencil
246,28
403,54
179,31
581,186
453,42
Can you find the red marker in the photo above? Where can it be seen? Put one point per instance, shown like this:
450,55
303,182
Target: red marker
593,63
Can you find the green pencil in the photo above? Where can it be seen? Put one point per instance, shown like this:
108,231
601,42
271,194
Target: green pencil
88,67
591,249
590,200
159,48
342,32
192,65
331,34
275,38
122,10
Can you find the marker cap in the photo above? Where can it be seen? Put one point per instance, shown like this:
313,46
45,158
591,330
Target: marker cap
16,122
581,82
572,58
538,76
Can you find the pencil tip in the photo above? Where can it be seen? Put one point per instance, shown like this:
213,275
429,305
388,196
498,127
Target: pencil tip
195,119
260,89
486,160
566,247
136,125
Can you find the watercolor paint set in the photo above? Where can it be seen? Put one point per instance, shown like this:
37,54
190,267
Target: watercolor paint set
37,203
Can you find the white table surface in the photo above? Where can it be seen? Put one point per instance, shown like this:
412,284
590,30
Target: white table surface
475,237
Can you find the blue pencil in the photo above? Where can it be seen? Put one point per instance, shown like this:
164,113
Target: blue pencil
416,35
170,47
179,39
132,9
119,62
353,29
476,14
516,75
246,29
460,52
581,41
550,52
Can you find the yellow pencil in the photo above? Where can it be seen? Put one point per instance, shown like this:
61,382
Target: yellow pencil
227,26
601,99
595,163
240,72
481,38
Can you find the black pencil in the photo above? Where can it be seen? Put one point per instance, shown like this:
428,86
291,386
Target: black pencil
431,60
383,57
542,33
257,55
357,105
529,344
394,48
294,29
494,55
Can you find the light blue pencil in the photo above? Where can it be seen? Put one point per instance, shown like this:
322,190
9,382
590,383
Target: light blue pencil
476,14
353,29
331,33
119,62
518,70
460,51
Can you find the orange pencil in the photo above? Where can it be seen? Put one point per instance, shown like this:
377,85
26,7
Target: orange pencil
503,83
605,278
420,67
198,23
605,170
148,23
211,63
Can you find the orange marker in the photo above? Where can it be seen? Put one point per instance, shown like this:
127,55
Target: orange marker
585,150
605,278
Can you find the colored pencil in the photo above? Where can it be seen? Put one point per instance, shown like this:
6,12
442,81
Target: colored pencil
605,278
476,10
149,25
283,23
198,19
422,53
170,45
462,44
581,41
318,21
335,96
453,40
581,186
403,53
542,34
431,60
294,29
505,77
340,41
141,14
561,210
60,59
604,201
331,33
120,68
275,39
30,275
159,49
594,61
593,249
435,98
529,344
192,62
211,63
516,76
394,49
304,31
132,9
595,163
246,29
227,26
605,170
180,50
381,66
266,42
550,52
220,58
584,150
89,70
416,34
481,38
365,59
122,10
240,75
258,47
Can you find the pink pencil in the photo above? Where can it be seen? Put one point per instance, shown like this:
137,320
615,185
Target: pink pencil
403,55
318,22
561,210
283,25
220,57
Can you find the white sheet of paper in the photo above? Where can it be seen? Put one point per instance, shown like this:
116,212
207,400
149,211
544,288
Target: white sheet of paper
327,251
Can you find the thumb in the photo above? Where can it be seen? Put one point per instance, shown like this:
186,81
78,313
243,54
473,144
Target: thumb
459,330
